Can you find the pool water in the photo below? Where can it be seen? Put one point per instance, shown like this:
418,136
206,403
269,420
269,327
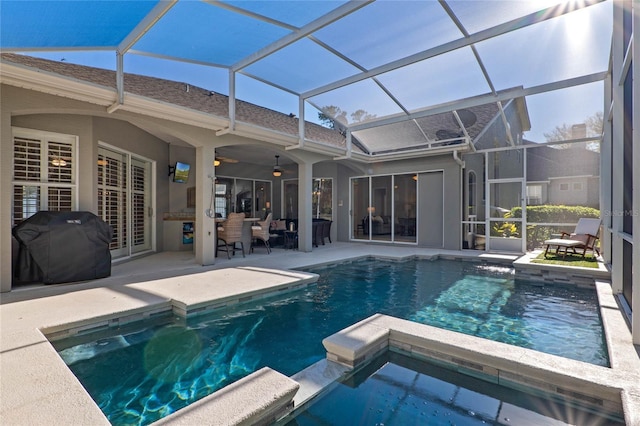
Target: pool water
138,375
398,390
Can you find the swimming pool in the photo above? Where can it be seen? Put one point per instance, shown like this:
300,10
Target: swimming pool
142,374
395,389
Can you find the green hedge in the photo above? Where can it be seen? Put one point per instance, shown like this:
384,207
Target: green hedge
536,235
551,214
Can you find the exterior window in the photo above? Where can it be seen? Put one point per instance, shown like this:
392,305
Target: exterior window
534,195
251,197
564,187
44,169
290,194
577,186
472,194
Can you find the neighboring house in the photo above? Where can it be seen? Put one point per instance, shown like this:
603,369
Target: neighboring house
563,176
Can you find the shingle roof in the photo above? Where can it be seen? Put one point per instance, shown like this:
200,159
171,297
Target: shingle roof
548,162
176,93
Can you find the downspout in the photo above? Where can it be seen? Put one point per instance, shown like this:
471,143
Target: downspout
119,84
461,164
458,159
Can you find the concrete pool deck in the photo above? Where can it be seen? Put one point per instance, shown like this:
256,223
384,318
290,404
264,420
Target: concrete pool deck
38,388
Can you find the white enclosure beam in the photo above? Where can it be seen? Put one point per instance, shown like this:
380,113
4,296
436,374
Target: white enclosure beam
503,95
145,25
310,28
232,100
531,19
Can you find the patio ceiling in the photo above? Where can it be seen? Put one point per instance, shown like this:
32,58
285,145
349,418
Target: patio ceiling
381,69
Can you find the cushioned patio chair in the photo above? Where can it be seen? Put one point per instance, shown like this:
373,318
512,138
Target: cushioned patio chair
261,232
583,238
230,233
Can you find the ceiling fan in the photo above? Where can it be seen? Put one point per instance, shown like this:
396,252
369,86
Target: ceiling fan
221,159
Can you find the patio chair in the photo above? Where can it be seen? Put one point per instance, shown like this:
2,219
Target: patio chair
583,238
230,233
261,232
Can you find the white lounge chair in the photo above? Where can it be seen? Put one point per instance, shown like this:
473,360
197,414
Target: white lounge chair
583,238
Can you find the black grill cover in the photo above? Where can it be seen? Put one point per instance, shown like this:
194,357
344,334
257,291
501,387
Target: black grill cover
58,247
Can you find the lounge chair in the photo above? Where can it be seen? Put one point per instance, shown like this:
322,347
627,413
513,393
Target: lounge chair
261,232
583,238
230,233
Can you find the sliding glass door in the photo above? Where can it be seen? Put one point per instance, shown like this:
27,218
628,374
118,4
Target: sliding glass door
384,208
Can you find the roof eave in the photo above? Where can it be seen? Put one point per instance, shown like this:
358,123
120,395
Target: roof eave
59,85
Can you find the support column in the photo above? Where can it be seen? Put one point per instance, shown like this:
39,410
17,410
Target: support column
617,148
205,228
305,200
635,280
6,157
605,176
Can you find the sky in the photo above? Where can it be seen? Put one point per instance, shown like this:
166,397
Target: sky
561,48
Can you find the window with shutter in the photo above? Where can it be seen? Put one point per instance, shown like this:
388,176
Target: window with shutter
43,173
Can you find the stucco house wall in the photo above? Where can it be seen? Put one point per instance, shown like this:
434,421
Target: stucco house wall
91,131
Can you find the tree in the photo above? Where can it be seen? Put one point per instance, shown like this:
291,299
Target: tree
330,114
361,115
335,118
592,127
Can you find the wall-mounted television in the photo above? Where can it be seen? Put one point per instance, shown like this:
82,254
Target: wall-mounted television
181,172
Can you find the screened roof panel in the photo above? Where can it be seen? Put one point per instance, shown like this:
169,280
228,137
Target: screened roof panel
453,75
69,24
251,90
445,126
365,95
207,77
343,49
435,130
561,109
295,13
401,29
561,48
301,66
202,32
480,15
393,136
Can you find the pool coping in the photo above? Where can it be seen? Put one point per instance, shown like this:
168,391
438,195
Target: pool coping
27,353
611,389
558,274
56,395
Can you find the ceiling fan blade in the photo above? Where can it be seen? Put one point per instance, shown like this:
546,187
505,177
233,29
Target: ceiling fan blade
228,160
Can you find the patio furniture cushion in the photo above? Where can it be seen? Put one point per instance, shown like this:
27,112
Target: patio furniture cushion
564,243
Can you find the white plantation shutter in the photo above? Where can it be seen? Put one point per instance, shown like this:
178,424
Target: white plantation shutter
124,194
112,196
138,202
27,158
43,173
60,162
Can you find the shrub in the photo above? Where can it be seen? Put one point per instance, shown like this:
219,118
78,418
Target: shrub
537,234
